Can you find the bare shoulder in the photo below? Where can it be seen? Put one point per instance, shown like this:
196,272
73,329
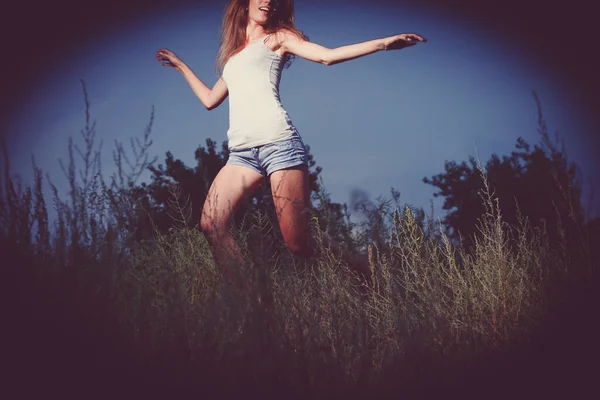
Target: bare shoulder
286,34
286,37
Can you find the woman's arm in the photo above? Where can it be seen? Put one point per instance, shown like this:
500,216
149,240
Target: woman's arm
291,43
211,98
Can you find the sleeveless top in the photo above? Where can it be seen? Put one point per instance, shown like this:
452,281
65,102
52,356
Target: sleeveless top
256,116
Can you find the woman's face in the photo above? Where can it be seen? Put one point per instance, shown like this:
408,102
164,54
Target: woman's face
260,11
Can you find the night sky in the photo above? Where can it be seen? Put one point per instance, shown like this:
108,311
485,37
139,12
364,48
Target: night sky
383,120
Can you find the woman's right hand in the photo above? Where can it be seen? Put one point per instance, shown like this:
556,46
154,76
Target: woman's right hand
168,59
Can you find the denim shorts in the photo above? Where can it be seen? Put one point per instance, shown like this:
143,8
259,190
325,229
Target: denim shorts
271,157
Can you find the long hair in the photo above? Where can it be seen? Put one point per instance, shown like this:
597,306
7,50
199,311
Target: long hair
235,20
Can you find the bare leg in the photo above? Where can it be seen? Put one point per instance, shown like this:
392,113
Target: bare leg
291,196
291,193
230,187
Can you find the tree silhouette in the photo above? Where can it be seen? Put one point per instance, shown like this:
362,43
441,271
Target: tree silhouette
536,182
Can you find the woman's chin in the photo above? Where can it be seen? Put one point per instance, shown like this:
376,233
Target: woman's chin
261,20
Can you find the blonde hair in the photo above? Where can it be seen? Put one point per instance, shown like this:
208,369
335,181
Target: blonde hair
235,20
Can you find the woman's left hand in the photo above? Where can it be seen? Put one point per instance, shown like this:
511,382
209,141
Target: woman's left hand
401,41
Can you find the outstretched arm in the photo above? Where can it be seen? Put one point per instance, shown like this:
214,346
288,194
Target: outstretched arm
211,98
317,53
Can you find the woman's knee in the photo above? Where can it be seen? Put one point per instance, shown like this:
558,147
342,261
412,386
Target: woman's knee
212,228
299,245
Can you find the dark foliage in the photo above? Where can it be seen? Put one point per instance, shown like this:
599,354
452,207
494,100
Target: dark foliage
538,183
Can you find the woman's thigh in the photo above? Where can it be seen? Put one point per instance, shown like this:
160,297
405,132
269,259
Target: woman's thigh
291,196
231,186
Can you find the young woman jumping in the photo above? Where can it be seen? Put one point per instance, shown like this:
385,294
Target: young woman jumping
258,38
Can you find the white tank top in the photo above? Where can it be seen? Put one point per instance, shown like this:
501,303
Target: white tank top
256,116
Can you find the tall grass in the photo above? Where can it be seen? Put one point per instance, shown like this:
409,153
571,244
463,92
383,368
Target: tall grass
311,326
307,326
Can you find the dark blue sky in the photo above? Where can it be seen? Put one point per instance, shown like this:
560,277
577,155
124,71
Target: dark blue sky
385,120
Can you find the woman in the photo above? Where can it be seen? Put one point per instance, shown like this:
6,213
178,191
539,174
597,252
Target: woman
258,38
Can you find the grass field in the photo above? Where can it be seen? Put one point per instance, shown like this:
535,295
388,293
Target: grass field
90,309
